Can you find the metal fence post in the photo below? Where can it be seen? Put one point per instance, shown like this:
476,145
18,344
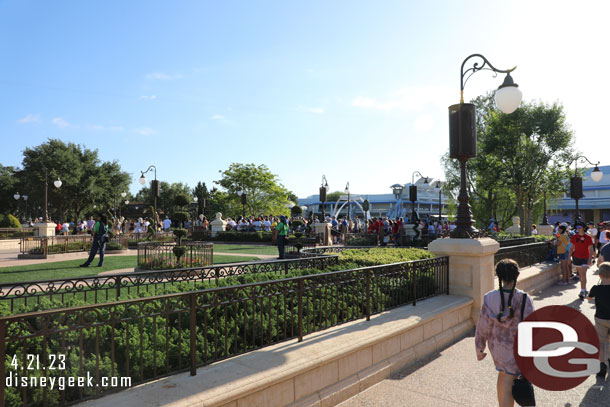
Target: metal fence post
300,308
193,334
3,365
118,286
414,282
368,295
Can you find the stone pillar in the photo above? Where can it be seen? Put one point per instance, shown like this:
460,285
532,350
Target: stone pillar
45,229
546,230
323,228
218,224
471,267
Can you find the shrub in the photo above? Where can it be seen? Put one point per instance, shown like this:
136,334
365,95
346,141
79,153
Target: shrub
9,221
296,211
114,246
295,224
181,200
366,240
181,217
179,251
377,256
179,233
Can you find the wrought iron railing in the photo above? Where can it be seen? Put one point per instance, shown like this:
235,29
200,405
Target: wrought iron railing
526,254
146,338
516,241
161,256
16,233
98,289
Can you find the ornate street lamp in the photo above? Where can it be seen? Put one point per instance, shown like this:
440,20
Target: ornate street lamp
348,192
463,134
244,201
413,194
323,191
154,187
576,181
397,190
437,188
57,184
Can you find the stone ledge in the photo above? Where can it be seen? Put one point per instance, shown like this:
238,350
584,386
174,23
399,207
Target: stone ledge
537,277
323,370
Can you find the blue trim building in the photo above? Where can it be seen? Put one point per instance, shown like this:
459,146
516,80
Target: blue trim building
595,206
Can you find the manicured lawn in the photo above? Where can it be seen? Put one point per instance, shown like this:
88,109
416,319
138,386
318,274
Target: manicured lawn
245,249
69,268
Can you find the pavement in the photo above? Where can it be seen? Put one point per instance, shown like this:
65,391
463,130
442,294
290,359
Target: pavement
453,377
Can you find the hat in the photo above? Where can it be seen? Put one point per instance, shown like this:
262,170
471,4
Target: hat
282,218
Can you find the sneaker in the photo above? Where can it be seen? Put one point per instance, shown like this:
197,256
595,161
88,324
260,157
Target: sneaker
581,295
84,265
602,370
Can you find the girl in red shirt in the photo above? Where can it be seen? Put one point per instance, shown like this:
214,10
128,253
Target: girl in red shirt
582,252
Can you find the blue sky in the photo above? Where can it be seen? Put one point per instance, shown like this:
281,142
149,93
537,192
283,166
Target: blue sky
352,89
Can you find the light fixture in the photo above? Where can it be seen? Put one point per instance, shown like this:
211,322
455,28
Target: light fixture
123,194
195,199
127,202
596,174
437,187
143,180
397,190
17,196
508,96
25,197
57,183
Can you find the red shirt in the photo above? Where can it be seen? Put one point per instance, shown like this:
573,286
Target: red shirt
581,246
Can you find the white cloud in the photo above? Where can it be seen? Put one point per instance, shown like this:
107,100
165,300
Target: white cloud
61,123
315,110
144,131
30,118
95,127
148,97
218,117
162,76
407,99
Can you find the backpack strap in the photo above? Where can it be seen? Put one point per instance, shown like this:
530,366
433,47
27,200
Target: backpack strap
523,305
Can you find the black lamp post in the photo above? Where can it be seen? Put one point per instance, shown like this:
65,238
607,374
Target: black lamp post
545,218
576,182
463,134
46,188
413,194
323,191
347,191
438,188
244,201
154,187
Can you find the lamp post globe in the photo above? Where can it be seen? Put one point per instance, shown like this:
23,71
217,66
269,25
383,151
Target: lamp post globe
508,96
57,183
143,180
17,196
126,202
596,174
397,190
123,194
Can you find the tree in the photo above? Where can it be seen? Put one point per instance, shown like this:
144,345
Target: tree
265,194
8,187
333,196
520,157
85,179
166,203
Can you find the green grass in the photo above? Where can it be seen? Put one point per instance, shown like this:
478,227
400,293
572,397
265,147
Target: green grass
69,268
245,249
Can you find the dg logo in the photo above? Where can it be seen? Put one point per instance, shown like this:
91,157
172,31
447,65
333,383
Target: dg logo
557,348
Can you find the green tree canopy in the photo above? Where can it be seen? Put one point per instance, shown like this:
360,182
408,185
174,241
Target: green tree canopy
168,193
86,180
265,194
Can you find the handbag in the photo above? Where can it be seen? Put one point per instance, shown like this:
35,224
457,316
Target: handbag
523,391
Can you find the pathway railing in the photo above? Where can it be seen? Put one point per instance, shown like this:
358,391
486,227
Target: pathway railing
99,289
525,255
16,233
160,255
146,338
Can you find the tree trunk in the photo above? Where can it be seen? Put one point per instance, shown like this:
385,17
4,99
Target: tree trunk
519,196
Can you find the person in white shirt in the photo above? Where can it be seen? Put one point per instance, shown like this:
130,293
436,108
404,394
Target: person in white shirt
267,224
146,225
167,223
258,224
534,230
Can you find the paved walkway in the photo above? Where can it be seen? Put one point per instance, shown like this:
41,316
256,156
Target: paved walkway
455,378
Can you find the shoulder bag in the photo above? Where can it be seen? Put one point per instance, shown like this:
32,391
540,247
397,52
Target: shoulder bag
523,391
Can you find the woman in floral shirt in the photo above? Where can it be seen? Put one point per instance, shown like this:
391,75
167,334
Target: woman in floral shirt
497,327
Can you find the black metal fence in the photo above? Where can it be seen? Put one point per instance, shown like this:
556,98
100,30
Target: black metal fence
508,242
16,233
525,255
98,289
146,338
162,256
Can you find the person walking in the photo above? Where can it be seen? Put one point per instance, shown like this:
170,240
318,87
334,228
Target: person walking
581,252
497,327
601,295
282,234
563,251
100,238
